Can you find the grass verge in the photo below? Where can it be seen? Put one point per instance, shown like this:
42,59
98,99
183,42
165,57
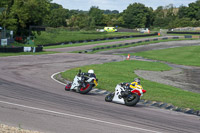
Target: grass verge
130,45
62,35
90,43
110,74
187,55
26,53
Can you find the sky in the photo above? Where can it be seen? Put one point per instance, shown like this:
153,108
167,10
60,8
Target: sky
119,5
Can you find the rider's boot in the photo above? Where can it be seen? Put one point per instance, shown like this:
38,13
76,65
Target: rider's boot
83,84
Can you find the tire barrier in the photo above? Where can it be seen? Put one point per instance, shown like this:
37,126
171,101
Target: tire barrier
173,32
20,49
108,38
188,36
170,107
165,38
175,37
125,44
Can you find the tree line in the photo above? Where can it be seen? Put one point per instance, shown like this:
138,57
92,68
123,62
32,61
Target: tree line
19,15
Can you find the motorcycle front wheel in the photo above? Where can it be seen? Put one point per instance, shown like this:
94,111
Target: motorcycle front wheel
68,86
132,99
109,97
87,88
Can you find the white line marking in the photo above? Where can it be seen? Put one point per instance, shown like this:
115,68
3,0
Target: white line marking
77,116
94,89
52,77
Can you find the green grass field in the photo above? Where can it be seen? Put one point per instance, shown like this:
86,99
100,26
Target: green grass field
188,55
110,74
62,35
132,45
90,43
25,53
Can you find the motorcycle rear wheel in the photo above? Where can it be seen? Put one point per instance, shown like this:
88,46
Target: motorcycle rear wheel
86,89
109,97
132,99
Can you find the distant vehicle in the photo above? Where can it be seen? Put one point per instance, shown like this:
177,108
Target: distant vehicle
100,30
144,30
110,29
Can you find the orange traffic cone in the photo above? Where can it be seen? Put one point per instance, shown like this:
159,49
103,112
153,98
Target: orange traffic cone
128,57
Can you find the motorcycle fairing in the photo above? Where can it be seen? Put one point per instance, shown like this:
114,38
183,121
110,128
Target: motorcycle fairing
138,91
75,83
117,97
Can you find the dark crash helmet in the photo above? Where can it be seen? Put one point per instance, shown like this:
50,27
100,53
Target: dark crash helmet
137,80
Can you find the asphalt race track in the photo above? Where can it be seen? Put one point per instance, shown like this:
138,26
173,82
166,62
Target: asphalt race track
29,98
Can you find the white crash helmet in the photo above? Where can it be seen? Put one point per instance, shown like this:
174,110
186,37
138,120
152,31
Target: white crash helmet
90,71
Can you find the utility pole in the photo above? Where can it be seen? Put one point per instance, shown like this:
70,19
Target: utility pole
4,33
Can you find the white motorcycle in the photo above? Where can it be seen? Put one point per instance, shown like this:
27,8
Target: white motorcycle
125,95
82,83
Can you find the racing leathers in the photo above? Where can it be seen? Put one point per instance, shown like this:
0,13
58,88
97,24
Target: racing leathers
86,77
133,85
129,87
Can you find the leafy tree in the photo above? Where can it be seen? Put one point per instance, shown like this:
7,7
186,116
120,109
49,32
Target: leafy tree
150,17
194,10
165,16
6,20
190,13
75,12
97,15
57,17
159,12
80,21
113,20
107,11
55,6
120,21
21,14
107,19
110,12
115,12
183,12
179,22
136,16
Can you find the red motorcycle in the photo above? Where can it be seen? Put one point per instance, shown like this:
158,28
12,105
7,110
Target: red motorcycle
82,83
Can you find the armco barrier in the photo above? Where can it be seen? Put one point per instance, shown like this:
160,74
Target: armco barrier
19,49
